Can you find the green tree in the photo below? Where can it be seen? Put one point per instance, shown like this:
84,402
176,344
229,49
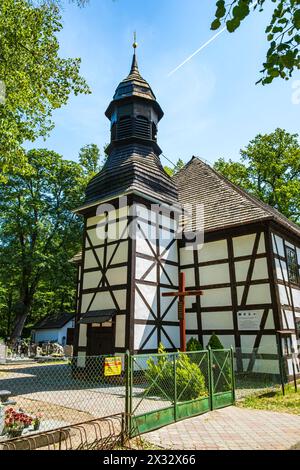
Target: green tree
36,79
172,171
283,32
89,159
214,342
39,233
270,170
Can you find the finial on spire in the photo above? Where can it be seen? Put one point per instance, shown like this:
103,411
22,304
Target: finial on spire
135,44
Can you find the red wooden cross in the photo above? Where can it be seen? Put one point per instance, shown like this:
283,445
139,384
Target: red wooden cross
182,294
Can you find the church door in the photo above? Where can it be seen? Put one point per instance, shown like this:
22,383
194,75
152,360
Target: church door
100,340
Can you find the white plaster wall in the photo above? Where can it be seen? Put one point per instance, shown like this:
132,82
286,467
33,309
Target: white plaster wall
91,280
215,274
243,246
140,334
120,296
186,256
81,358
260,269
142,266
288,319
173,333
190,277
116,276
102,301
141,310
170,253
266,366
216,297
279,249
46,335
258,294
121,254
281,270
296,297
90,260
120,331
213,251
165,302
85,301
284,295
82,341
191,321
217,320
268,345
168,273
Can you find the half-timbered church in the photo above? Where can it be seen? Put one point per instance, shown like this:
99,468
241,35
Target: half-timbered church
247,266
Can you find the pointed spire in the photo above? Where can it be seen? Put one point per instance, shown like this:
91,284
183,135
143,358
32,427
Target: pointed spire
134,66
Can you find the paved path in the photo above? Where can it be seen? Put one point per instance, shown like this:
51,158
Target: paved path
230,428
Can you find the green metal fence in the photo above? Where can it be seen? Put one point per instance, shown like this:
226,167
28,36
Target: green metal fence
165,388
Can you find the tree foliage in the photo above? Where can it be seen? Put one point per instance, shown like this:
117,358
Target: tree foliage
39,234
270,170
89,159
172,171
36,79
283,33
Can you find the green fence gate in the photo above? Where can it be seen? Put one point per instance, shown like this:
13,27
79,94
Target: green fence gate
168,387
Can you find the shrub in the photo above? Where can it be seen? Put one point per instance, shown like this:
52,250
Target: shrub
160,374
214,342
194,345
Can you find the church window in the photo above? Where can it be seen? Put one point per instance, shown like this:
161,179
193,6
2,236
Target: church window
292,265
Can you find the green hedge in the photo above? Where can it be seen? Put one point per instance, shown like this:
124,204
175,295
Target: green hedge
160,375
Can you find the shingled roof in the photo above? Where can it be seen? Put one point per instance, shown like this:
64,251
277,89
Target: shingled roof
57,320
225,204
131,168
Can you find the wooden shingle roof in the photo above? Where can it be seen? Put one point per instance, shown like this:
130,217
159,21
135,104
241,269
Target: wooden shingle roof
225,204
132,168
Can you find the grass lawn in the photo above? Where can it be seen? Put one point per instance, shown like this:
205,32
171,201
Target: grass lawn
275,401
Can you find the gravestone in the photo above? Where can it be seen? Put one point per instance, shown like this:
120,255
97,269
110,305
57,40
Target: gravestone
3,349
68,350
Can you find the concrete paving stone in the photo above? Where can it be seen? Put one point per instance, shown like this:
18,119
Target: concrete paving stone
231,428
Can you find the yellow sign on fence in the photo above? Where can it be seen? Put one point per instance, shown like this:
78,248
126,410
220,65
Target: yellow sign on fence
112,366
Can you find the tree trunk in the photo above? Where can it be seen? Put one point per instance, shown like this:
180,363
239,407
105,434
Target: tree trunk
9,310
21,317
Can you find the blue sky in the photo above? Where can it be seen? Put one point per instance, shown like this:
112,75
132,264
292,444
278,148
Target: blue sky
212,105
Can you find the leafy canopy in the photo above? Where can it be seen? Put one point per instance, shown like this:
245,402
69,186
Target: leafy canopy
283,33
39,234
270,170
36,79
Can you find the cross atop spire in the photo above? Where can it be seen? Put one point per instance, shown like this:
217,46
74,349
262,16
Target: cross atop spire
135,44
134,66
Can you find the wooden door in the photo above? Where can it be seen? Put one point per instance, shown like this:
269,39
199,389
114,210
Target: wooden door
100,340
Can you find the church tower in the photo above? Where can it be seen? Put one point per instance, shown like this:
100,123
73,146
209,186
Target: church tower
129,254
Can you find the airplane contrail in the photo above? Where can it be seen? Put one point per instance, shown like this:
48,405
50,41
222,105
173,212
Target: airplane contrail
205,44
197,51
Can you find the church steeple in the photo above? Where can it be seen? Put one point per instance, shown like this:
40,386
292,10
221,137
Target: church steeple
133,153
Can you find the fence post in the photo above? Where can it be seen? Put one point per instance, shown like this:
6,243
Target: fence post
210,378
175,385
232,375
128,392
